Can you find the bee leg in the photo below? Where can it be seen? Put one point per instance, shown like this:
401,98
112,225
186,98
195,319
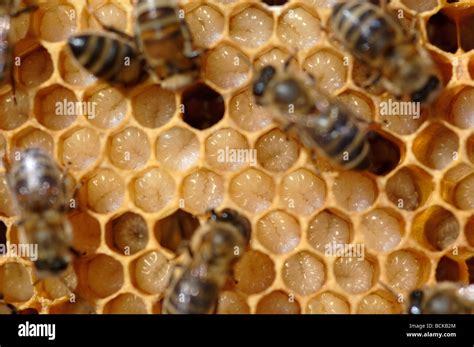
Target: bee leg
76,253
13,85
373,78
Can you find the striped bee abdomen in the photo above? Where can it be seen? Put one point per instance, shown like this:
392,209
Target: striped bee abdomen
108,58
35,181
342,140
365,29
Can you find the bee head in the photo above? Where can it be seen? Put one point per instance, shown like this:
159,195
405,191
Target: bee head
236,219
55,266
263,79
416,299
428,91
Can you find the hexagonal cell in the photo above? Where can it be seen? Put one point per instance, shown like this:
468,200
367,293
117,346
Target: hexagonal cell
86,233
126,303
358,103
104,275
354,191
276,151
153,190
442,32
409,188
80,149
252,190
33,138
177,149
232,303
173,230
228,150
328,303
462,114
278,302
56,107
354,275
15,282
302,191
299,28
56,21
247,114
202,191
6,202
153,106
80,306
36,63
278,232
71,72
127,234
436,146
227,67
328,228
407,269
378,303
436,228
151,272
203,106
106,107
382,229
464,193
303,273
469,231
251,27
421,6
448,269
254,272
206,24
105,191
105,14
466,35
129,149
385,153
328,68
13,115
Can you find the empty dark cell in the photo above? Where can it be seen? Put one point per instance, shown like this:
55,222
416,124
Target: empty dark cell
467,33
384,154
3,237
29,311
447,270
176,228
442,32
275,2
203,106
470,268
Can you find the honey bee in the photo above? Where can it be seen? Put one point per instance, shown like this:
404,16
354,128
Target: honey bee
317,120
195,286
9,9
444,298
40,194
394,54
6,308
110,56
164,38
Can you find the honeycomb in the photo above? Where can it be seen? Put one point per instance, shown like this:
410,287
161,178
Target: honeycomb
147,168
